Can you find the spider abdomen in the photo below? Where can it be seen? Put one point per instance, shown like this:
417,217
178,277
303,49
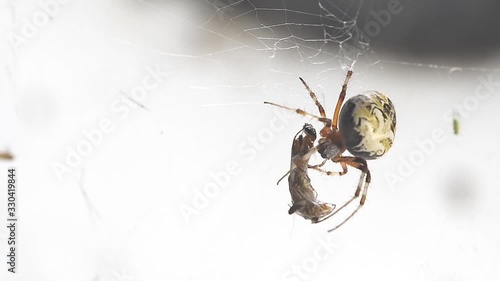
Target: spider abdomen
368,123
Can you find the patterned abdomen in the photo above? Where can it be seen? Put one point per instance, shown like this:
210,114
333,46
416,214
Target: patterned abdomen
368,123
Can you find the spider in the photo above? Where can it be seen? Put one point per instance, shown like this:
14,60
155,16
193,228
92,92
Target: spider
365,126
304,197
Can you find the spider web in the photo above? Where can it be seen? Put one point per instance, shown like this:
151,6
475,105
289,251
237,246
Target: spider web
325,35
321,39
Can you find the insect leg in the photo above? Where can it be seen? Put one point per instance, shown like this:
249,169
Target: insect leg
287,173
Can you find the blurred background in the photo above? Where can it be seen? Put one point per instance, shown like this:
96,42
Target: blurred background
144,151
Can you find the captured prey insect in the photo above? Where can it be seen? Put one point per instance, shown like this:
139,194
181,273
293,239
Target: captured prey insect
304,198
365,126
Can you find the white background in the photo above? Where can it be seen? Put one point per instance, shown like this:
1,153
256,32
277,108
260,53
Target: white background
117,215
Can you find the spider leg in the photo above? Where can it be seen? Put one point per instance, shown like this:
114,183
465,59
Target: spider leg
360,164
302,112
341,100
318,166
329,173
315,99
364,181
348,218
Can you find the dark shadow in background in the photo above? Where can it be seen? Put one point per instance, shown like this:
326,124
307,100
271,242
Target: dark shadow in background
431,31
